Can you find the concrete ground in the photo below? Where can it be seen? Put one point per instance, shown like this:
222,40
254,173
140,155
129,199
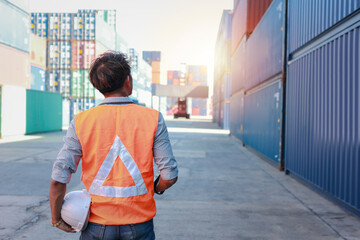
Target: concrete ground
224,191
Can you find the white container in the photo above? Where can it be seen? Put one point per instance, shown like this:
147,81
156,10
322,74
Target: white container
13,110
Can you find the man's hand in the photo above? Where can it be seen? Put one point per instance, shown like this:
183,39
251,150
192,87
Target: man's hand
162,184
66,227
56,197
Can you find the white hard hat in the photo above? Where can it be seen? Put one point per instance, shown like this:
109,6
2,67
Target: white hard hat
75,210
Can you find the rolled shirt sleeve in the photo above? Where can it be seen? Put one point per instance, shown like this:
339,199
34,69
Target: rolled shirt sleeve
163,154
68,158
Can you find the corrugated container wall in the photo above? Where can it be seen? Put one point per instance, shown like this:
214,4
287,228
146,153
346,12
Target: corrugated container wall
246,15
222,72
262,119
39,24
15,27
37,51
264,48
37,79
14,67
237,115
83,53
323,119
80,85
238,68
43,111
307,18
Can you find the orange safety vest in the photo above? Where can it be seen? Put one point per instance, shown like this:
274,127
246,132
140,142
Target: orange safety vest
117,162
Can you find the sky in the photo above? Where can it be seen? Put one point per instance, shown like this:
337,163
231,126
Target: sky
183,30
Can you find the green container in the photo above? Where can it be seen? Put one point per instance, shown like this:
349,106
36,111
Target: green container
81,85
77,83
43,111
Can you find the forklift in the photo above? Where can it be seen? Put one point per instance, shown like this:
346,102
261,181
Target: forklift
182,109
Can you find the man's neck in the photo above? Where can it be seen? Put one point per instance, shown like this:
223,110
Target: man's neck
116,94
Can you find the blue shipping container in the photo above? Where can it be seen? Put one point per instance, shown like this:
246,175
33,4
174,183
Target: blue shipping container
54,26
264,48
262,119
147,57
223,114
308,18
238,67
41,24
37,80
52,81
15,27
323,117
216,113
237,115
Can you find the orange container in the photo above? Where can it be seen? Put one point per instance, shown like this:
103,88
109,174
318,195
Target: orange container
37,51
155,66
156,78
176,81
14,67
246,16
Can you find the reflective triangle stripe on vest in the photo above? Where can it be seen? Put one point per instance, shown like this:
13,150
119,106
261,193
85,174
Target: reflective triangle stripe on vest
97,188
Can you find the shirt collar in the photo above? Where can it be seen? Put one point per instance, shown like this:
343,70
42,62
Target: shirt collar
116,100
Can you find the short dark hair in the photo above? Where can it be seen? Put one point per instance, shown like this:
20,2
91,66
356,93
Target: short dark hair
109,71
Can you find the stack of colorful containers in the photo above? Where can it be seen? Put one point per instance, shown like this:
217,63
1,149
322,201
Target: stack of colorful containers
14,68
73,40
153,59
222,72
174,77
37,62
196,75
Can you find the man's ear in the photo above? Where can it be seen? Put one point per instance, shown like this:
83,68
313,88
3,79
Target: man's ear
127,81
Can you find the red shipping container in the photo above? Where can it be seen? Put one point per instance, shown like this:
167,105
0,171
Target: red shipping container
77,54
195,111
89,54
170,74
246,16
14,67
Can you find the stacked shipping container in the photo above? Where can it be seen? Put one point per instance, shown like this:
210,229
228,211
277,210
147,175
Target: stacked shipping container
173,78
153,58
37,63
222,73
197,76
73,40
322,105
257,69
322,117
14,67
